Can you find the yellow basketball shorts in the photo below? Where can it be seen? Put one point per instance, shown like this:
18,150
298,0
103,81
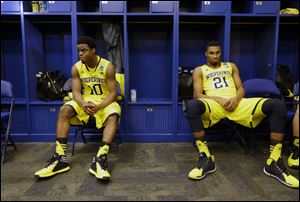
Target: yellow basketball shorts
100,116
248,113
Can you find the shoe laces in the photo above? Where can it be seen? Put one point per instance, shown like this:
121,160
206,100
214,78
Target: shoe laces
202,161
53,159
295,153
280,165
102,160
57,157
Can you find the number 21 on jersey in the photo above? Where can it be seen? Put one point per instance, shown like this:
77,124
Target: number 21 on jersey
220,82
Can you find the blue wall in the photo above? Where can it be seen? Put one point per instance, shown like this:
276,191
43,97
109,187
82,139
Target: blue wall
157,39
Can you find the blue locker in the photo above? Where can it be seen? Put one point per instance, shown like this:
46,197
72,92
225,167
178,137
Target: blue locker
11,55
19,119
215,6
266,7
10,6
43,118
242,6
149,119
59,6
162,6
112,6
183,125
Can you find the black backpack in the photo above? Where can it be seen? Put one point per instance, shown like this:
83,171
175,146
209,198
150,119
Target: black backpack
185,83
50,85
284,80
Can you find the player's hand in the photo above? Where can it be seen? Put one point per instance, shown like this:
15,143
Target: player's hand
92,106
88,108
232,104
223,102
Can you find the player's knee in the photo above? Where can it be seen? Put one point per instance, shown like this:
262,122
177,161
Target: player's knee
280,108
275,106
113,119
277,112
66,111
195,108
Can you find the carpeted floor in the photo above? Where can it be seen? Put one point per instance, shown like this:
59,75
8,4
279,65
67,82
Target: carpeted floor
144,171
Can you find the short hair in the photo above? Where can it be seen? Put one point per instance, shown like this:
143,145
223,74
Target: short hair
212,43
87,40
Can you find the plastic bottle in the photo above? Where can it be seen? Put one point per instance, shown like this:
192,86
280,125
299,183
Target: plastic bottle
133,95
35,6
43,6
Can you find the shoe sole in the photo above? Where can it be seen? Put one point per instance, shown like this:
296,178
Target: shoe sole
274,176
54,173
293,166
201,177
100,178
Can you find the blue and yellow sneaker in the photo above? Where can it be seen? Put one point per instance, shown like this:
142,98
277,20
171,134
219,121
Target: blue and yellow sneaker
204,166
278,170
293,160
58,164
99,167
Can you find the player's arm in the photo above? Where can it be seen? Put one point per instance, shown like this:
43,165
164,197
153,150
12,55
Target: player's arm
233,102
76,91
197,83
198,88
112,87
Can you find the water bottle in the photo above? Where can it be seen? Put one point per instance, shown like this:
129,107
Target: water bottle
43,6
133,95
35,6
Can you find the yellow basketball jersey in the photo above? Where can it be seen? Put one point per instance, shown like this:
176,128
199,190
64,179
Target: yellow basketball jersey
93,80
218,82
